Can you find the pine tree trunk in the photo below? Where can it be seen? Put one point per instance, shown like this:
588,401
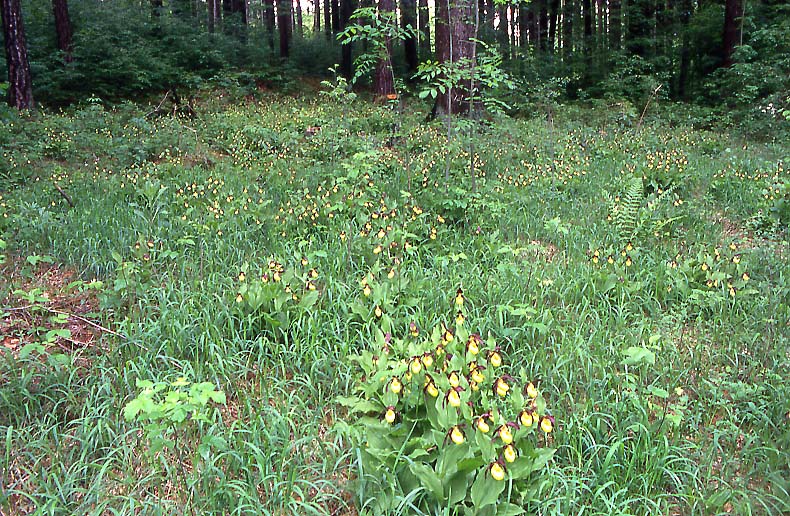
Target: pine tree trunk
383,80
543,27
316,17
335,16
299,19
284,24
567,30
733,12
327,18
458,34
408,9
615,24
347,8
554,14
269,18
63,28
425,29
20,89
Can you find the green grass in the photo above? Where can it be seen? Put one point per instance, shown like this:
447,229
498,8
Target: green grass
239,185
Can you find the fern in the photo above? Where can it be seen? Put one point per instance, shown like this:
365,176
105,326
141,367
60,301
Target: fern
625,213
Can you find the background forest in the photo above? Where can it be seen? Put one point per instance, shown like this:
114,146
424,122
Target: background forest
732,56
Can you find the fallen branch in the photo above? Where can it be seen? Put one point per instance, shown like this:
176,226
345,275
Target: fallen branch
68,314
64,194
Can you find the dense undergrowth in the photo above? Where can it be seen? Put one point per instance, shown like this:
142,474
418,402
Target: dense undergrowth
638,274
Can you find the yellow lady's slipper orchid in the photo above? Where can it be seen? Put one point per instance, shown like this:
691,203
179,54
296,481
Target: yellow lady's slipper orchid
510,453
497,472
457,435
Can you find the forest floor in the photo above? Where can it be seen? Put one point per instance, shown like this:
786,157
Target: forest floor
225,267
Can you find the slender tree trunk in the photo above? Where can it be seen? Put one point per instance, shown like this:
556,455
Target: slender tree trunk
615,24
299,19
408,10
335,16
459,47
686,7
523,28
554,14
63,28
20,86
543,22
501,30
347,8
316,17
284,24
533,25
327,18
567,30
733,12
383,79
424,16
211,20
269,21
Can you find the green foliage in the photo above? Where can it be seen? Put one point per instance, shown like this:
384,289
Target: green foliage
438,414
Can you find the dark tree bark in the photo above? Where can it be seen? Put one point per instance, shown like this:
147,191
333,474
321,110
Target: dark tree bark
268,21
615,24
523,28
685,8
456,46
211,6
408,9
347,8
316,17
327,18
63,28
20,90
733,12
156,8
567,30
543,27
640,22
533,25
383,80
501,30
335,16
299,20
284,24
554,14
425,29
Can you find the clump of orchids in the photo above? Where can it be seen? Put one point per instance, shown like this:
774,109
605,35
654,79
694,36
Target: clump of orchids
447,399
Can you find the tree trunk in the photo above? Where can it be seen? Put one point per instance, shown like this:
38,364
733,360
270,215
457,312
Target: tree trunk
425,29
685,8
640,21
347,8
457,47
408,9
532,23
299,19
615,24
211,20
335,16
327,18
383,79
63,28
284,25
268,21
20,89
567,30
316,17
543,27
733,12
554,14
